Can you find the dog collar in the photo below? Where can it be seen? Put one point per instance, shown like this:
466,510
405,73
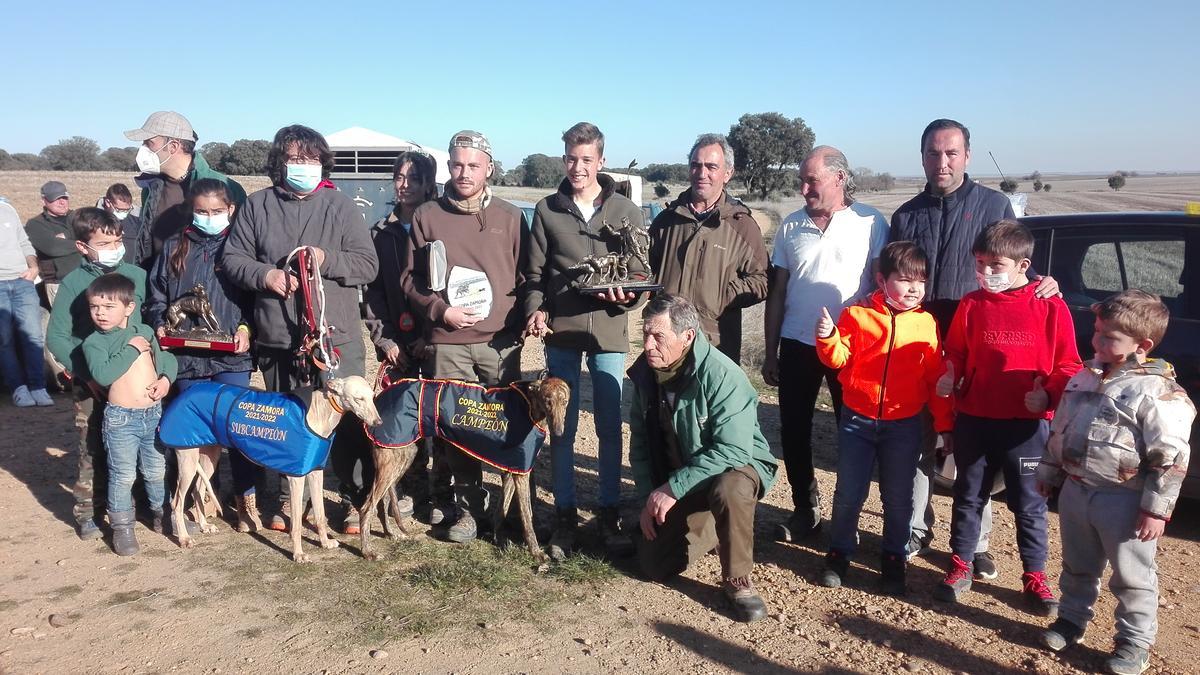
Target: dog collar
333,402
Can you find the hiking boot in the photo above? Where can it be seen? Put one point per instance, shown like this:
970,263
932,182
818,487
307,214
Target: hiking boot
406,505
1062,634
747,604
956,582
892,572
1128,659
22,398
279,519
124,542
616,543
89,530
463,530
161,523
247,513
918,545
836,566
797,528
436,514
1038,593
984,566
41,397
566,522
350,525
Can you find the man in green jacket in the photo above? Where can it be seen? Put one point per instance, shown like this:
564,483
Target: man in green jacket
54,242
699,459
169,164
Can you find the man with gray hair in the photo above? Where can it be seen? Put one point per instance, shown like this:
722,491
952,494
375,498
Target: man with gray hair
706,247
822,261
699,459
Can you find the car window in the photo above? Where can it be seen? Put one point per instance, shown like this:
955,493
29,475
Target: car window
1092,265
1154,266
1101,271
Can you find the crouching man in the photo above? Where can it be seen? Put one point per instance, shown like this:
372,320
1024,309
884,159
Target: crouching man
699,459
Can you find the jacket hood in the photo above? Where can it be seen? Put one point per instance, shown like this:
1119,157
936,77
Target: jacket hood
1157,367
730,207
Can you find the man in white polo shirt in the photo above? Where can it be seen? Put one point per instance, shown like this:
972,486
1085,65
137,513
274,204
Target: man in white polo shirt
822,259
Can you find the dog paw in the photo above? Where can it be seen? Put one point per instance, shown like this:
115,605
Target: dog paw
187,542
372,555
208,528
300,557
330,543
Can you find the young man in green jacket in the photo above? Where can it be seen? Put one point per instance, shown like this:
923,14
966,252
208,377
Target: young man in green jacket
696,448
98,240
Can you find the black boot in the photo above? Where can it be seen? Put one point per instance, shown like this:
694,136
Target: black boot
836,566
892,574
124,543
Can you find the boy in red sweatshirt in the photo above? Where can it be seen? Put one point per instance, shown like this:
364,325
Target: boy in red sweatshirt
1010,354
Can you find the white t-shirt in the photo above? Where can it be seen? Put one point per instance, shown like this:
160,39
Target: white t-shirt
826,269
586,209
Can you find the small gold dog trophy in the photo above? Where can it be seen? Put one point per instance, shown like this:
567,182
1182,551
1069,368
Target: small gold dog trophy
205,332
601,273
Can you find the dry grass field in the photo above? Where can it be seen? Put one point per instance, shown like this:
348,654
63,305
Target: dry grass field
237,603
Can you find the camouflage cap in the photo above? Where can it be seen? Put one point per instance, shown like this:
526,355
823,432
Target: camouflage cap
471,139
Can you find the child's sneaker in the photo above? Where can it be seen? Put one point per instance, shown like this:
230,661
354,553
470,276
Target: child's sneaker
22,398
836,566
918,545
1038,592
892,575
985,566
1128,659
1062,634
957,581
41,397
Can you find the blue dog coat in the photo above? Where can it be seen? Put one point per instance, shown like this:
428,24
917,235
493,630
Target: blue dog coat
268,427
490,424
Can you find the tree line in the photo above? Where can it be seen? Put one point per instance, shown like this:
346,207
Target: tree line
77,153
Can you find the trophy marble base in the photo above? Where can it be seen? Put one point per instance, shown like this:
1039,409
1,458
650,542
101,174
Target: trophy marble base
222,343
628,287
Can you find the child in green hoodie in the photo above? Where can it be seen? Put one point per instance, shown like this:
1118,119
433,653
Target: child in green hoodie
124,356
98,240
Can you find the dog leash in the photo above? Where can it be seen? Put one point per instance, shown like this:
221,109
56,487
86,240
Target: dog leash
316,347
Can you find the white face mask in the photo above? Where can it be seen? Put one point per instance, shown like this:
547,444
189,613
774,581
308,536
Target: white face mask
148,161
214,224
993,283
109,258
120,215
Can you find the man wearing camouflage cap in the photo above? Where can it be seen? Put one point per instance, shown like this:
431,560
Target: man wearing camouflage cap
467,250
169,164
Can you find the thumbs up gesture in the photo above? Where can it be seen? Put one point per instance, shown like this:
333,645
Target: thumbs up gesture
1037,400
945,383
824,324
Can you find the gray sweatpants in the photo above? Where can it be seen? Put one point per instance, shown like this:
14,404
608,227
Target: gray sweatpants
1098,528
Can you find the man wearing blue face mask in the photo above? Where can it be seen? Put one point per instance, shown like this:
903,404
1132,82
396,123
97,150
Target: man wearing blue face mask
169,164
302,208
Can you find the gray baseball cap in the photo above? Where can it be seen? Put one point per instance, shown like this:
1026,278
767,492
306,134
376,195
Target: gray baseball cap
163,123
471,139
54,190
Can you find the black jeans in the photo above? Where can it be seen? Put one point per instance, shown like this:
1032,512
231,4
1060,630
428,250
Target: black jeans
800,375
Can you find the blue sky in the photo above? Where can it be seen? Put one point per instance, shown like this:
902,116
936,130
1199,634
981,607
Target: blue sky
1055,86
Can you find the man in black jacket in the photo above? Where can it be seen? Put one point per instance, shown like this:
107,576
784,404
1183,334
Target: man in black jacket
944,220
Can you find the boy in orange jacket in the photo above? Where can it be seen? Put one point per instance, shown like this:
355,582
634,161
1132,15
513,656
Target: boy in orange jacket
887,350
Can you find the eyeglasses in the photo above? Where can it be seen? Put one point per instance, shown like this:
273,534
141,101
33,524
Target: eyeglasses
296,159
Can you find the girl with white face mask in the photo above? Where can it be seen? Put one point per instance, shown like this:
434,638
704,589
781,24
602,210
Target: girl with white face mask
189,259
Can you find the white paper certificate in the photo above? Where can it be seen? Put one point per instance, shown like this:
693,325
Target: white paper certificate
469,289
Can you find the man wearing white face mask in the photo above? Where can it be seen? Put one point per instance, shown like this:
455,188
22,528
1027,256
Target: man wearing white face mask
119,202
169,164
302,208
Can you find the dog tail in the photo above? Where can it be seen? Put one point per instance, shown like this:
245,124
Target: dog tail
204,490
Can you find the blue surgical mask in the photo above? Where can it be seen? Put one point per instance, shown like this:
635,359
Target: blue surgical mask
303,177
210,225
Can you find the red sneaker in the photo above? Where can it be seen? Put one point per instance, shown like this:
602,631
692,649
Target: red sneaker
1038,593
957,581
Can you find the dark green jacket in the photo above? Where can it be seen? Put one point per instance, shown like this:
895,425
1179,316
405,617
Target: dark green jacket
715,421
109,354
560,238
57,255
71,322
156,230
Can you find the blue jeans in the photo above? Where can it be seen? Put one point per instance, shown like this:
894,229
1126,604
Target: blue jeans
607,370
896,446
20,327
245,473
129,437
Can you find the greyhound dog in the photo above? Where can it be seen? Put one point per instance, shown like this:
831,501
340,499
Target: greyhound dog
277,430
427,413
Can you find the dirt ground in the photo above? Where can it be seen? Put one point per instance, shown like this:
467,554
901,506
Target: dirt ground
237,603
